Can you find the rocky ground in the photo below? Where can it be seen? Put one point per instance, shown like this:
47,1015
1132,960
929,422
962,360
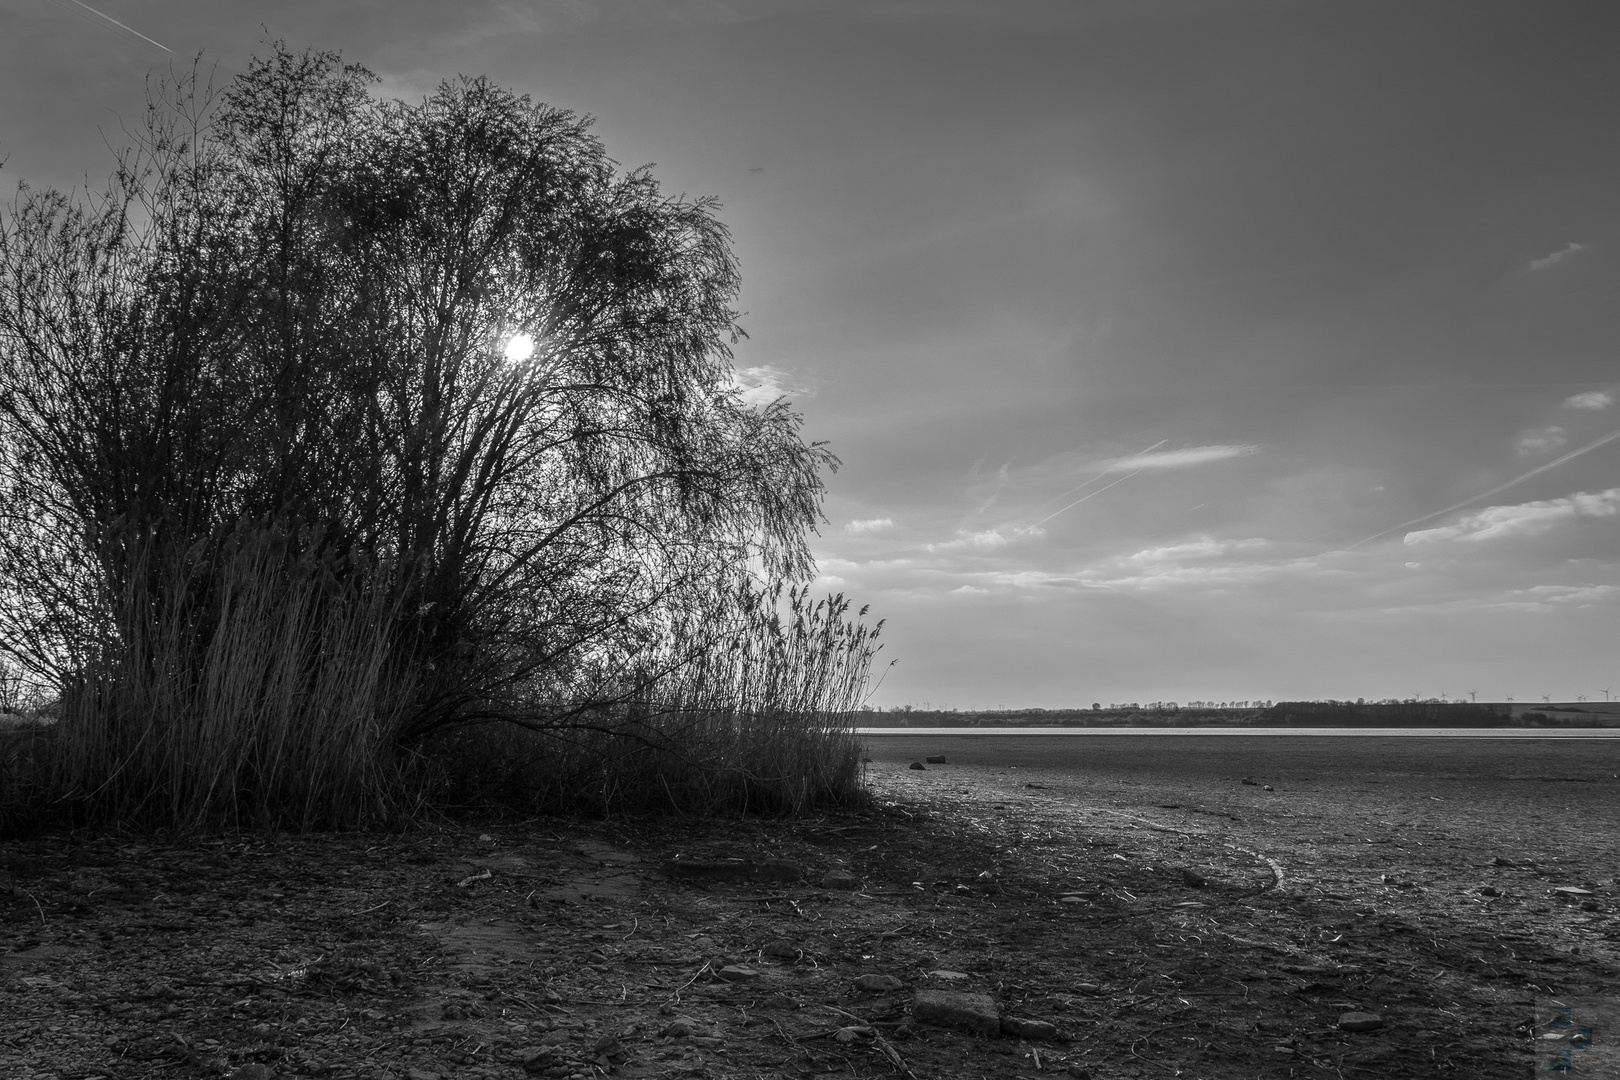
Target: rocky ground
973,922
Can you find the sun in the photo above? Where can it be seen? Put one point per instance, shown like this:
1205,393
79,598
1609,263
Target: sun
519,347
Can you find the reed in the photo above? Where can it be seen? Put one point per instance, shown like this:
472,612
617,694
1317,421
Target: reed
244,682
755,715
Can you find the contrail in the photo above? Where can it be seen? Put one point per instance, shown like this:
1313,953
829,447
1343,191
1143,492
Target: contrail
1537,471
108,18
1083,498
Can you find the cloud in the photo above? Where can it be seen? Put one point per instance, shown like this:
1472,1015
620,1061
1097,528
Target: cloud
984,540
1540,440
760,386
1547,262
1524,519
1174,459
1571,594
1204,547
1593,399
869,525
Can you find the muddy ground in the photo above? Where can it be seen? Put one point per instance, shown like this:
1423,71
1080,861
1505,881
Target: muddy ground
1056,887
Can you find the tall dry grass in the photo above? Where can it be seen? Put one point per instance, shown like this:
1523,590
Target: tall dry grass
755,715
243,682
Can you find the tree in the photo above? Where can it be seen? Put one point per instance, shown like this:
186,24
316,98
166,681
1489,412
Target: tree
291,317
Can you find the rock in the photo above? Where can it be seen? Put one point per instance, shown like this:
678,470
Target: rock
1144,986
1071,899
254,1071
1571,892
1251,783
781,1003
1079,1072
1268,787
878,984
949,1008
1360,1021
852,1032
423,1074
935,759
681,1027
738,973
840,879
1589,905
1028,1029
1193,879
1499,861
782,950
919,766
1486,890
1087,988
948,976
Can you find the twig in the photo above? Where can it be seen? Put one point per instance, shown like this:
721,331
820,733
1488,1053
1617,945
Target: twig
369,910
883,1045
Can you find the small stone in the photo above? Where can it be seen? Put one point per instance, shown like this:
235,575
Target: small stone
1071,899
1087,988
423,1074
840,879
1499,861
851,1033
1144,986
878,984
682,1027
948,976
935,759
253,1071
738,973
1268,787
919,766
782,950
1251,783
1589,905
1193,879
1360,1021
1028,1029
947,1008
1571,892
1079,1072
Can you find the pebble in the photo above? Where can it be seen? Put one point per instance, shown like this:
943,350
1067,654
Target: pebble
935,759
840,879
1071,900
948,976
1572,891
1079,1072
877,984
948,1008
681,1027
738,973
1193,879
1268,787
919,766
1360,1021
1028,1029
254,1071
1087,988
782,950
1487,890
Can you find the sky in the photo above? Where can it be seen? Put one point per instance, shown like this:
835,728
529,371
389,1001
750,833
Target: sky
1173,349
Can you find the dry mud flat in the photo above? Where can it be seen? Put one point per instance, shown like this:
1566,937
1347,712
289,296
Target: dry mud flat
547,949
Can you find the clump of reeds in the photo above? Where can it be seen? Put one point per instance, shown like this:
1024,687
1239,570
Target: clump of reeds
753,714
243,682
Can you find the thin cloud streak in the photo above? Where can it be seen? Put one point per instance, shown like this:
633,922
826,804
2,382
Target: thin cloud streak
1553,464
1547,262
1176,459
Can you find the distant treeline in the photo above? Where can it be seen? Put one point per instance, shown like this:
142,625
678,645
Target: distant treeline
1279,714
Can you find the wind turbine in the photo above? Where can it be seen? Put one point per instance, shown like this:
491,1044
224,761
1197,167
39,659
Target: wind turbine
1508,699
1580,697
1473,695
1606,690
1546,697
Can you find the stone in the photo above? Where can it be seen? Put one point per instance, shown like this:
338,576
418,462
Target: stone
1360,1021
949,1008
1487,890
919,766
948,976
878,984
1571,892
1499,861
253,1071
1193,879
1268,787
782,950
1071,899
935,759
1028,1029
1251,783
1079,1072
738,973
840,879
681,1027
1087,988
1589,905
